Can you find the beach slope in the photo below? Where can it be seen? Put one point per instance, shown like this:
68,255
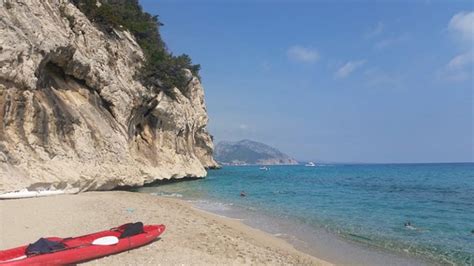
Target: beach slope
192,236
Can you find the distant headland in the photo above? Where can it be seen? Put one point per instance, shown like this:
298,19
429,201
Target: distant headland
248,152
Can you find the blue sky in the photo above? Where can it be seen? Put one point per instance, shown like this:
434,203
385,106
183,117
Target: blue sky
345,81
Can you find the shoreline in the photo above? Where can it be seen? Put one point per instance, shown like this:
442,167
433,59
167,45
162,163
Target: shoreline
192,235
314,242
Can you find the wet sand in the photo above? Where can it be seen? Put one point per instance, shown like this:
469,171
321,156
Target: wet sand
192,236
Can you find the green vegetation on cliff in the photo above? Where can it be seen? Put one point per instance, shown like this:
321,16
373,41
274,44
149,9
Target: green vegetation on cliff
162,69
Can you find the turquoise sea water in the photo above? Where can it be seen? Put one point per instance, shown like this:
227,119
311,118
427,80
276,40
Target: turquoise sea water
366,204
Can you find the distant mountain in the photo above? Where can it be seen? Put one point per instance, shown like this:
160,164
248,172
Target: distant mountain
248,152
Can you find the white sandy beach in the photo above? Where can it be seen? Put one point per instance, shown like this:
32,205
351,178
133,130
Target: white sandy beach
192,236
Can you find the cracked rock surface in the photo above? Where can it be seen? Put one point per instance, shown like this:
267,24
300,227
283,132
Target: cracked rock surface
74,116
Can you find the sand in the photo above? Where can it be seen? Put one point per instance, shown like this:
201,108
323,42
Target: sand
192,236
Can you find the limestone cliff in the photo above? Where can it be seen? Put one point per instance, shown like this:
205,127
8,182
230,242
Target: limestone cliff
73,114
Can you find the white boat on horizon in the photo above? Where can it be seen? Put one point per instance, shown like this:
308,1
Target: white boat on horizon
264,168
310,164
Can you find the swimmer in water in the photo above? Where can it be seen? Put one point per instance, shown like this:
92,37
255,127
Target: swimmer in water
409,226
242,193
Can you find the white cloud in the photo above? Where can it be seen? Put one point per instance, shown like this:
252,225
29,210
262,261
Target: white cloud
348,68
462,23
460,61
303,54
460,67
378,29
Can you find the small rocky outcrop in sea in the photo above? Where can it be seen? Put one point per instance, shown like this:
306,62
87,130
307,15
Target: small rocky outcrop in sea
74,116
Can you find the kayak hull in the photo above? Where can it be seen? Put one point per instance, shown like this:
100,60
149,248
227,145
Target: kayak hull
79,249
24,193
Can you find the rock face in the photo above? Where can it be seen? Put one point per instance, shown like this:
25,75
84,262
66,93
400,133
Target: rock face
73,115
247,152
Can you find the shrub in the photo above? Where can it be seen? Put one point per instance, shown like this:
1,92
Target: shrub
162,70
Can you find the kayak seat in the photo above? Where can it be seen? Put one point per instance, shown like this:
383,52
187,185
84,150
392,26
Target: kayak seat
131,229
43,246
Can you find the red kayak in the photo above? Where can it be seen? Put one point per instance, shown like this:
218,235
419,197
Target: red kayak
83,248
